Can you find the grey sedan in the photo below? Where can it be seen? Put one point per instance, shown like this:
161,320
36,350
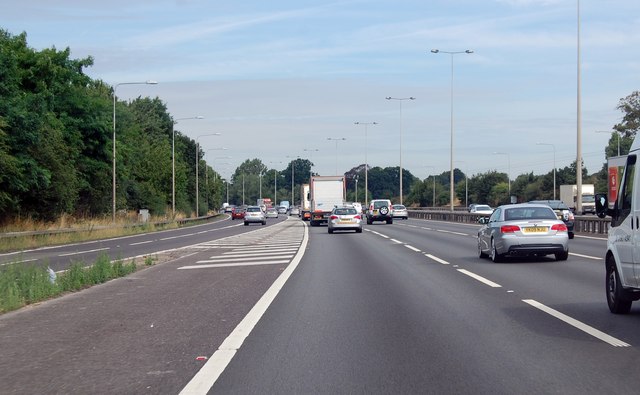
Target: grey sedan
523,230
345,218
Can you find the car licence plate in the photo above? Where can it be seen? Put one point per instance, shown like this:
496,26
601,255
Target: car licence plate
535,229
345,221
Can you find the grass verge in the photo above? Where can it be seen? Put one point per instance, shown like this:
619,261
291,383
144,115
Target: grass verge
22,285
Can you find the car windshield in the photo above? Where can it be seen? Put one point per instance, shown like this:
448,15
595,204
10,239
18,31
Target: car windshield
525,213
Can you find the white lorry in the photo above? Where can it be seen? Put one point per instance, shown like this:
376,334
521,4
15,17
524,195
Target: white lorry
569,194
325,192
622,259
305,209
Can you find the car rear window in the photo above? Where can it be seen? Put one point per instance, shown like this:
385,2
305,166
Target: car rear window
253,209
346,211
380,204
529,213
398,207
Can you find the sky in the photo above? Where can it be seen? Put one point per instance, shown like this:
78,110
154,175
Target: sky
282,79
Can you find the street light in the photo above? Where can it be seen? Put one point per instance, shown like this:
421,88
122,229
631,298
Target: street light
554,167
173,161
312,150
293,175
198,160
115,87
508,169
366,163
619,135
400,99
468,51
275,184
336,140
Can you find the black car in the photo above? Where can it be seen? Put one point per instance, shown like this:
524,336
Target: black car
562,211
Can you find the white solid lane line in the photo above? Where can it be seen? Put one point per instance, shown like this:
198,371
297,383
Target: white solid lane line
84,252
241,259
480,278
577,324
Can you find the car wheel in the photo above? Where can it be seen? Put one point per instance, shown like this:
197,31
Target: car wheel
264,222
616,298
246,224
571,235
562,256
369,222
384,210
495,257
359,230
481,254
330,231
390,221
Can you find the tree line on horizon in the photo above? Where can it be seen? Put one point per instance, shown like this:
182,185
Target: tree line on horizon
56,132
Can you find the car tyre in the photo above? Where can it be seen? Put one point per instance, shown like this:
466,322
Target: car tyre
617,299
384,210
495,257
562,256
264,222
246,224
481,254
390,221
359,230
571,235
330,231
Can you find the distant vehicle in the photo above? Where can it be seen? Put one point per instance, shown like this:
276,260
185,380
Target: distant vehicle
380,210
272,212
345,218
305,207
522,230
356,205
237,213
326,192
285,204
481,209
295,210
282,210
562,212
254,214
399,211
266,202
229,208
569,195
471,206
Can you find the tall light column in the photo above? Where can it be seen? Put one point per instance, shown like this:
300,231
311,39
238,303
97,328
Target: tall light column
400,100
468,51
275,184
508,169
366,163
578,121
173,161
336,140
198,160
554,167
115,87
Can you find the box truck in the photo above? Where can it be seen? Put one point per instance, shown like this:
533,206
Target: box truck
326,192
569,195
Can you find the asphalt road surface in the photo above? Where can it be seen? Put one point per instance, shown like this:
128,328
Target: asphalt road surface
402,308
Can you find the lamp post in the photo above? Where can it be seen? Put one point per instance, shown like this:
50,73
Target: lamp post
508,169
312,150
115,87
198,160
356,179
336,140
173,161
578,117
554,167
366,163
618,135
293,175
400,100
468,51
275,184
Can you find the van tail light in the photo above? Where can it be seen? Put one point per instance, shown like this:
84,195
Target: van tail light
509,228
560,228
333,217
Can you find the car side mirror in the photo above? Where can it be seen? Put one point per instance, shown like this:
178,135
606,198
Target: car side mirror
602,205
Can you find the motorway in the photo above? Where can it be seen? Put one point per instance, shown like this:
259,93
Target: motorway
287,308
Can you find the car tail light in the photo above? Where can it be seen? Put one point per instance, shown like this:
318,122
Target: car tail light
509,228
333,217
357,216
560,228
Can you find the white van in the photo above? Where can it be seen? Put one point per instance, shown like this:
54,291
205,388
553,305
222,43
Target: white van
622,260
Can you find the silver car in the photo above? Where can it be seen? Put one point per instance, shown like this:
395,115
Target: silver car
345,218
254,214
523,230
399,211
272,212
